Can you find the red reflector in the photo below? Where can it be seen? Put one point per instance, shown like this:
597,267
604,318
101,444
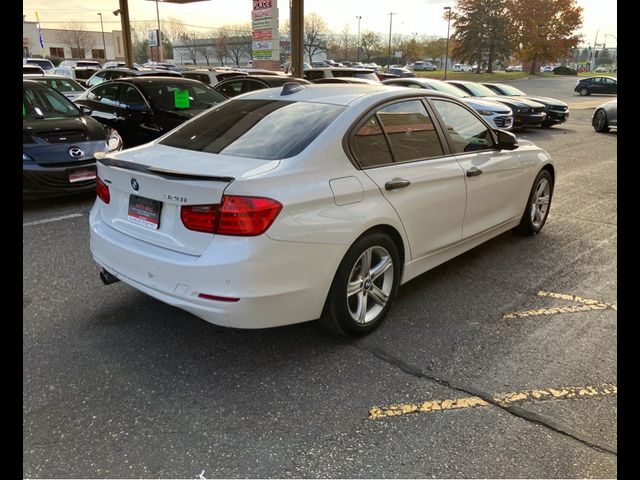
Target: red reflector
246,216
200,218
102,191
217,298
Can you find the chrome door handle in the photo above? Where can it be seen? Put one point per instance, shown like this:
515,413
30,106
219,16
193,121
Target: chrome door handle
474,172
396,183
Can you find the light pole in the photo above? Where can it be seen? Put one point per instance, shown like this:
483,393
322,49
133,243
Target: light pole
104,45
593,55
615,54
446,49
358,51
391,14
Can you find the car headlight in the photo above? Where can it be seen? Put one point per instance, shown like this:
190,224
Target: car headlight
485,112
523,110
114,140
26,158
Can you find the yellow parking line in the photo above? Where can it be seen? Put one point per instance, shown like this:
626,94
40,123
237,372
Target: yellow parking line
502,399
587,304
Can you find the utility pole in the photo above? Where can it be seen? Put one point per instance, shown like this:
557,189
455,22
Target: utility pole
358,51
159,43
391,14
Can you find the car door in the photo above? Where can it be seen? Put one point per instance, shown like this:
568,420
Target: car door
493,177
610,85
597,85
400,148
137,125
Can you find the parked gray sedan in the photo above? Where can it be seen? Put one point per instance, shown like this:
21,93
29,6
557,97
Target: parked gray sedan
606,117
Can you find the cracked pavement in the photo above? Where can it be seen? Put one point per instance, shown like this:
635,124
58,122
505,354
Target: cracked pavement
117,384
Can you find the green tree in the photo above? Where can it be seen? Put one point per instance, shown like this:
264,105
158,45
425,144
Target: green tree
545,30
483,32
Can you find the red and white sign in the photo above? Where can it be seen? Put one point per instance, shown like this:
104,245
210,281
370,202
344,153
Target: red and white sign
266,13
260,4
262,34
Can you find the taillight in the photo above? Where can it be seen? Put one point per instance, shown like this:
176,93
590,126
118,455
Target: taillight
102,191
200,218
237,216
246,216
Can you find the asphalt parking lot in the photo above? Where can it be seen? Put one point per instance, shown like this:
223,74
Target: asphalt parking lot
500,363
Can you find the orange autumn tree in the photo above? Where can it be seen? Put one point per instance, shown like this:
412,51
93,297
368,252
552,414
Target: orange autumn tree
544,30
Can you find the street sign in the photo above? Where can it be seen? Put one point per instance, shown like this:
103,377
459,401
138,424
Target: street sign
152,38
398,54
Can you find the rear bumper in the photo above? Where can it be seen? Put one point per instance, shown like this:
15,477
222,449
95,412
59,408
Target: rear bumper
276,283
41,180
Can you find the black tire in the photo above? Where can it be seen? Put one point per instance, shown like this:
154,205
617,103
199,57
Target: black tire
547,124
337,314
584,92
600,122
531,224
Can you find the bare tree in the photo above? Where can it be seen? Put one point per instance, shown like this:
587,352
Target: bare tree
173,29
75,35
347,42
316,35
140,44
239,41
221,46
189,45
371,44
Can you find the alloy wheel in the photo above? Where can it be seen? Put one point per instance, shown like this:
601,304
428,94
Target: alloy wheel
370,284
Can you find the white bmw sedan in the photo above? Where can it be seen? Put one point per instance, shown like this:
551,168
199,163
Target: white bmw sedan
311,202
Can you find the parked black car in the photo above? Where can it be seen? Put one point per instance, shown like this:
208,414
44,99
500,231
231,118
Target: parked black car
115,73
59,143
144,108
599,85
557,111
526,113
233,87
401,72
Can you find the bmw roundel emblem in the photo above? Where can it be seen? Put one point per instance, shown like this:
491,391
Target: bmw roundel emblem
134,184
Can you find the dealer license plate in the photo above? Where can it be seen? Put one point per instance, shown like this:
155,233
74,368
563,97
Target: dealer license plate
144,211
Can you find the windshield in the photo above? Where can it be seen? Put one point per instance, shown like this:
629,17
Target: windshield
62,85
448,88
174,96
263,129
45,102
351,73
478,90
511,91
85,73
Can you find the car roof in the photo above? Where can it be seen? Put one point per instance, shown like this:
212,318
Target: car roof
151,79
341,69
52,77
341,94
34,83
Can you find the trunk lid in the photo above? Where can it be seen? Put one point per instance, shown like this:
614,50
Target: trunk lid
162,179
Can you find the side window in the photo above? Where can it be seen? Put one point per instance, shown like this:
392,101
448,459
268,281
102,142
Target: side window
106,94
251,85
410,131
130,98
466,132
369,145
230,89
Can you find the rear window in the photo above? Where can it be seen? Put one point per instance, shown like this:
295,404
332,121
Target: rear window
171,95
263,129
84,74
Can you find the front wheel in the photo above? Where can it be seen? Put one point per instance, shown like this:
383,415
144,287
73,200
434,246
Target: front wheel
364,286
600,123
537,211
584,91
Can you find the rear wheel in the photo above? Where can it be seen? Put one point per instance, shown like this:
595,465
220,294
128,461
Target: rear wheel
584,91
364,286
600,122
535,215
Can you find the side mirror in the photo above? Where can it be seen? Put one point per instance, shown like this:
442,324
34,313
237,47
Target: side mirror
86,110
506,140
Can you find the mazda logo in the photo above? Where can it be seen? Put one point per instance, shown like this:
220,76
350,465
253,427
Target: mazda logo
76,152
134,184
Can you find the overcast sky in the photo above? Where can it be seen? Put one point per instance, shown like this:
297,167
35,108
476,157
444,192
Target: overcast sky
423,17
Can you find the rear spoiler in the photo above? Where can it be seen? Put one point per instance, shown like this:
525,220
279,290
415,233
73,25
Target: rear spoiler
161,172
